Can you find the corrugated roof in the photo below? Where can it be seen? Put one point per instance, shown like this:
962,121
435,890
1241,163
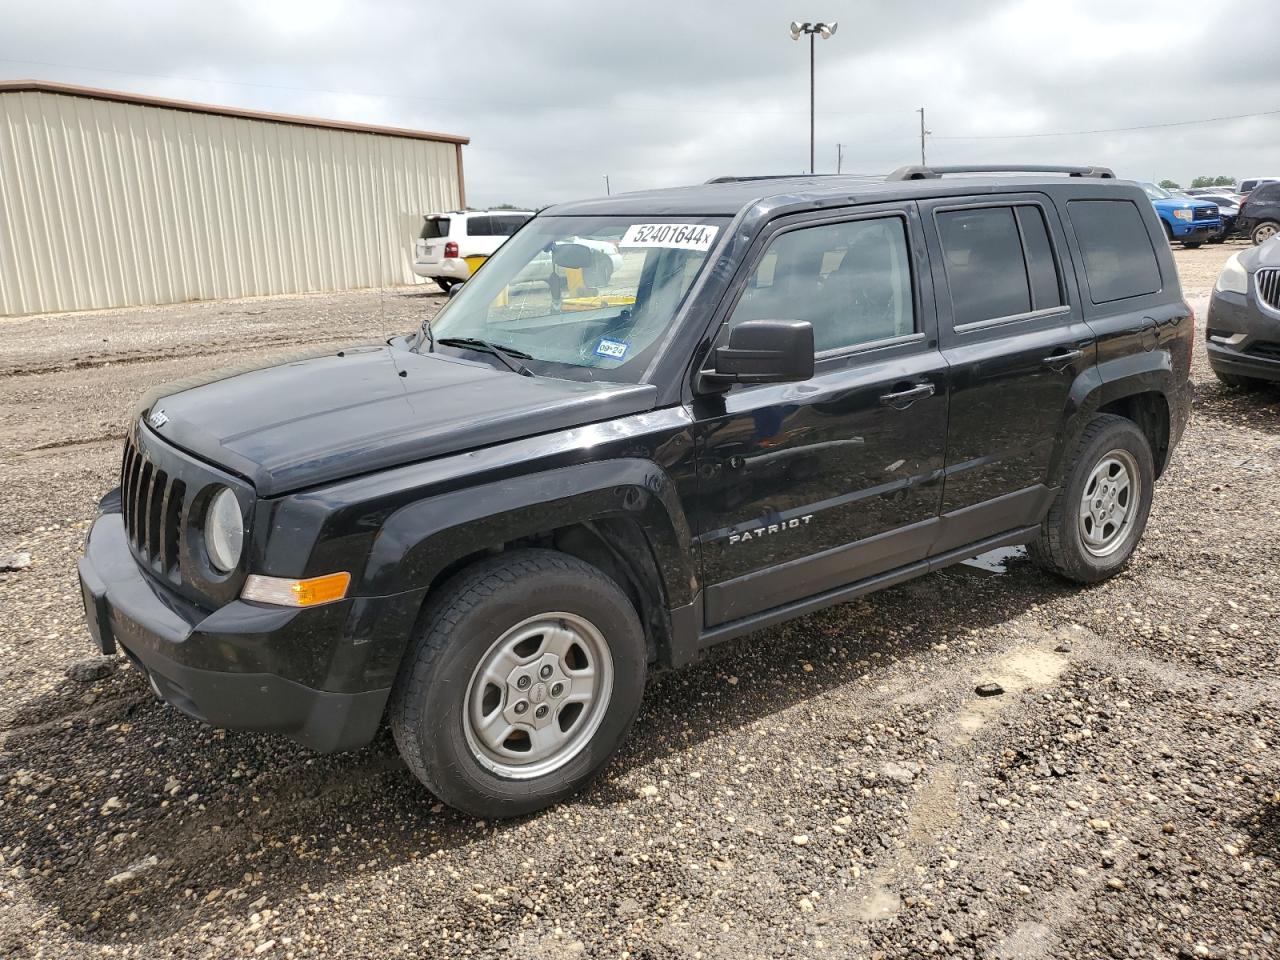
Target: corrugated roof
72,90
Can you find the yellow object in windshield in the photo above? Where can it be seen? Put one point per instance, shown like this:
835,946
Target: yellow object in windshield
575,304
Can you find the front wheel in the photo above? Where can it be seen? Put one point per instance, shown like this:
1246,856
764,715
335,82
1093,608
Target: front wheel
1101,510
1193,245
1265,231
523,679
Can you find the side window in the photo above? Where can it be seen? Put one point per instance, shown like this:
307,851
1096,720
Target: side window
1119,261
851,280
1042,269
985,266
507,226
999,263
479,227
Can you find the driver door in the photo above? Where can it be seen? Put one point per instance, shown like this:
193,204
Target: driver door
804,488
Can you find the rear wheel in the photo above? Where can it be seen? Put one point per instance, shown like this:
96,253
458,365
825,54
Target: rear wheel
1101,510
1265,231
524,678
445,284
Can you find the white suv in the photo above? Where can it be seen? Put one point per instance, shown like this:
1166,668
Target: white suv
452,245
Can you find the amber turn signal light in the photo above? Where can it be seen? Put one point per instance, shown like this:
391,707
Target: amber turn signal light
296,593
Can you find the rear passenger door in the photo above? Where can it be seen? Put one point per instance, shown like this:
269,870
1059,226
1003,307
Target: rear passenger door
1014,338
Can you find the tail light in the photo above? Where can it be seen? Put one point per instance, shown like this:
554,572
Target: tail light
450,249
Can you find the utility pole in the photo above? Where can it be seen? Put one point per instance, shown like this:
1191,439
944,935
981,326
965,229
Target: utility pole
923,131
839,157
606,186
812,37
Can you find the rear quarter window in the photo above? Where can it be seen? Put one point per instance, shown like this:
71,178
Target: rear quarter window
1119,260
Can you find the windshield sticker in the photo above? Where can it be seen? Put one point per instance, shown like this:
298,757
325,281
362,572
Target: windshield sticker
677,236
611,349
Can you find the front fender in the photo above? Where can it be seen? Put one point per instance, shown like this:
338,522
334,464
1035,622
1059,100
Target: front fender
421,539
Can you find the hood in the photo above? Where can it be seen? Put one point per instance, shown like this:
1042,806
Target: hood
368,408
1263,255
1181,203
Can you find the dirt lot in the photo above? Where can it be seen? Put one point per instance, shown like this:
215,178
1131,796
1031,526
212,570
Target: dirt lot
830,788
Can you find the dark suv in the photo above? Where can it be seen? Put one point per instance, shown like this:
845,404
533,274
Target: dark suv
792,391
1259,217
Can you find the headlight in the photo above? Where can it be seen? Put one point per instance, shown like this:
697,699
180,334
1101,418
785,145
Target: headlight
224,531
1182,214
1233,278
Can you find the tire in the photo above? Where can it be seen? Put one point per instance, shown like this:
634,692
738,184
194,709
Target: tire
444,284
1193,245
1238,383
1061,547
1264,231
543,597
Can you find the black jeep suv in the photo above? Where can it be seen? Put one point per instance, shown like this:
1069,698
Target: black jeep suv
783,393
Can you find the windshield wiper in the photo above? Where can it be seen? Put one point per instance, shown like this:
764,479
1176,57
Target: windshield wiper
505,354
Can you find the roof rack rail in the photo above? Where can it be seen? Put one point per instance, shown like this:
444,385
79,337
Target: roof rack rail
933,173
767,176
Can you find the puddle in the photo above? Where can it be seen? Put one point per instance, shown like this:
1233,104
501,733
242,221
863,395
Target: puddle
992,563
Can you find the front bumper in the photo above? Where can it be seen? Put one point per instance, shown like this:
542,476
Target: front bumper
1254,355
1194,230
210,664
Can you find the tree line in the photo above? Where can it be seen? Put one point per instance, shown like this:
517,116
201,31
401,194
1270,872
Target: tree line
1201,182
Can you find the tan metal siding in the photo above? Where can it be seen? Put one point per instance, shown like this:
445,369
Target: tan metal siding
109,204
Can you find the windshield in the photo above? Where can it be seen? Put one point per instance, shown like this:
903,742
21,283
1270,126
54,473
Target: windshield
1156,193
587,298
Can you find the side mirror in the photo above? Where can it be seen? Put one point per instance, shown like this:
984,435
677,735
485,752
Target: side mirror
455,290
764,351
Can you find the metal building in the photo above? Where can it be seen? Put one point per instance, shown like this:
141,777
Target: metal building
110,199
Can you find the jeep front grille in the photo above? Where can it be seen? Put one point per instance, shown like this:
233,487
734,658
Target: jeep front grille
1269,287
152,503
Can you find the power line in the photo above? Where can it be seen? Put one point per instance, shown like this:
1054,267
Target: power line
1083,133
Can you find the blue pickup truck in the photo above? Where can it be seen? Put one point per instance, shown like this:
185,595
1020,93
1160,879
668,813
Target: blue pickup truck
1189,221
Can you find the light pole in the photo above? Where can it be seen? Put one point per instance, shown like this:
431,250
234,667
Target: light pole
923,132
814,30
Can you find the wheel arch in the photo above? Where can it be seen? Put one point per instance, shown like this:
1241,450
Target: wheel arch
1137,387
622,516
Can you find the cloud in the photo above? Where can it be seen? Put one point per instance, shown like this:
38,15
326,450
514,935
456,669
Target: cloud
556,95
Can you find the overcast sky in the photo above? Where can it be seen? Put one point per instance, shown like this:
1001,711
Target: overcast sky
555,95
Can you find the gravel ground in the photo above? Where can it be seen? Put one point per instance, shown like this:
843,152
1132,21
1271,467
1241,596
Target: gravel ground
832,787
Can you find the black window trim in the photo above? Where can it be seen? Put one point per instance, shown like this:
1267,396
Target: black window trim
837,353
1027,316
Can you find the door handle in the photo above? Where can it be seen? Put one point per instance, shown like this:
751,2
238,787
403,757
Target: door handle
902,399
1061,359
